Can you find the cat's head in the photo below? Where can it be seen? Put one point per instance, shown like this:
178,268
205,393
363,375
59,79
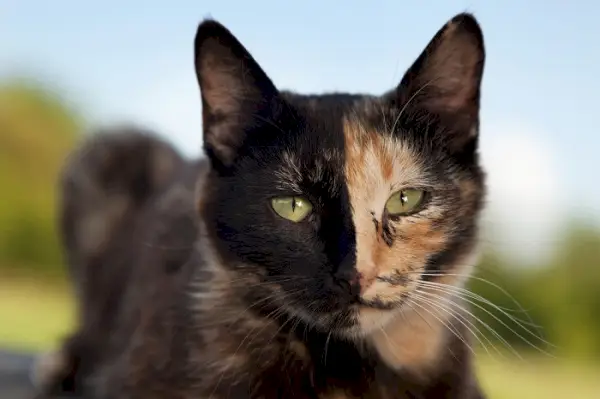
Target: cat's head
345,205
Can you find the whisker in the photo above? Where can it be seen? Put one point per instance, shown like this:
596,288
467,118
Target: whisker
411,98
389,340
489,328
483,280
451,329
439,289
290,318
272,313
264,301
429,324
459,317
470,294
326,346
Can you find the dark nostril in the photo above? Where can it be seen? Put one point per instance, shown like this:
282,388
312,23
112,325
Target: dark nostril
348,281
356,279
344,284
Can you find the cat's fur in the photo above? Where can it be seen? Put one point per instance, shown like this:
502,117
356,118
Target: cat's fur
190,286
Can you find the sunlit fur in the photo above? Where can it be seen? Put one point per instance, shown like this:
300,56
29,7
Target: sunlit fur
192,286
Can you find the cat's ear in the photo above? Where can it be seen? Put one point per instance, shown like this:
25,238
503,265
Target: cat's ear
445,80
235,91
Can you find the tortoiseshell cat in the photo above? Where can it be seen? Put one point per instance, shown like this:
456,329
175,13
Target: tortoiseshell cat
296,259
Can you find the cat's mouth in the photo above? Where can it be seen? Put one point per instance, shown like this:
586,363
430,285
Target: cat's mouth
352,315
356,320
379,303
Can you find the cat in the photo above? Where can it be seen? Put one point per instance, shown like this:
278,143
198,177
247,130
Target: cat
305,256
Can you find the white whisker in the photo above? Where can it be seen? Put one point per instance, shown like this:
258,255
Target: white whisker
524,339
459,317
450,328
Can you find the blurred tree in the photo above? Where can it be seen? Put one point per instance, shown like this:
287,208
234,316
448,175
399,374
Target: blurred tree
574,280
37,129
562,298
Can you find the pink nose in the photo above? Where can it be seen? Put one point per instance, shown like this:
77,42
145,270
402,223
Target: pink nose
366,280
356,279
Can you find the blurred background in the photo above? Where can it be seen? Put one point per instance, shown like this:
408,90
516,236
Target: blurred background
68,66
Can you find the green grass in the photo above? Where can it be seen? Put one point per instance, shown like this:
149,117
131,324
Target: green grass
36,315
538,378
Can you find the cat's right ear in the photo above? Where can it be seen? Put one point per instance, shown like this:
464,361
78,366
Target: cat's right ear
236,93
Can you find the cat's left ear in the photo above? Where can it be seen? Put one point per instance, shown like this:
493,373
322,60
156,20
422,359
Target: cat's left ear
237,95
445,80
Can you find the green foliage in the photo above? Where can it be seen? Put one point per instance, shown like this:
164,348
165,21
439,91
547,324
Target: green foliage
562,297
37,129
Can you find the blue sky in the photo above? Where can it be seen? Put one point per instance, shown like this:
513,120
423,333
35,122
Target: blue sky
132,60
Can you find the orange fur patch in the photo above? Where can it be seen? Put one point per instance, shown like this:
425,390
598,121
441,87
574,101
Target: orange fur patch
376,166
413,342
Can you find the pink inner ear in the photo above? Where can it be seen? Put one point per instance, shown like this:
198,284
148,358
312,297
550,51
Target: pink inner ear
221,88
229,76
233,88
452,79
447,76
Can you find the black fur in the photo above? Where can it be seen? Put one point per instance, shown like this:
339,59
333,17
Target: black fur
193,287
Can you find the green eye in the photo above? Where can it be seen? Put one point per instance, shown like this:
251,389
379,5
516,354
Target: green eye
294,209
404,202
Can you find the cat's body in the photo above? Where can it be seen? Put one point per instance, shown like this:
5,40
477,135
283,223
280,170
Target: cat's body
192,286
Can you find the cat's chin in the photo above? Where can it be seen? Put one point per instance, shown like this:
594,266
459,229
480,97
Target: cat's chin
355,322
362,321
367,320
371,319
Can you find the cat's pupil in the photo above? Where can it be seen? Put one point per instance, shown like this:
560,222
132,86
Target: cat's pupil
403,198
293,204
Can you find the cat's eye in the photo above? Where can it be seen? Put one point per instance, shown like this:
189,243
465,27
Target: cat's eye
404,202
294,209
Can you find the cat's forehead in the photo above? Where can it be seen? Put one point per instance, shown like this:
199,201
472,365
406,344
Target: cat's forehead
327,122
332,108
344,134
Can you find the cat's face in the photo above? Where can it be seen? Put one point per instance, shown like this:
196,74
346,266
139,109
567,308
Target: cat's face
344,204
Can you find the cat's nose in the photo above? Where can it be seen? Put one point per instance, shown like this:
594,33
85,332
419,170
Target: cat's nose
348,280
